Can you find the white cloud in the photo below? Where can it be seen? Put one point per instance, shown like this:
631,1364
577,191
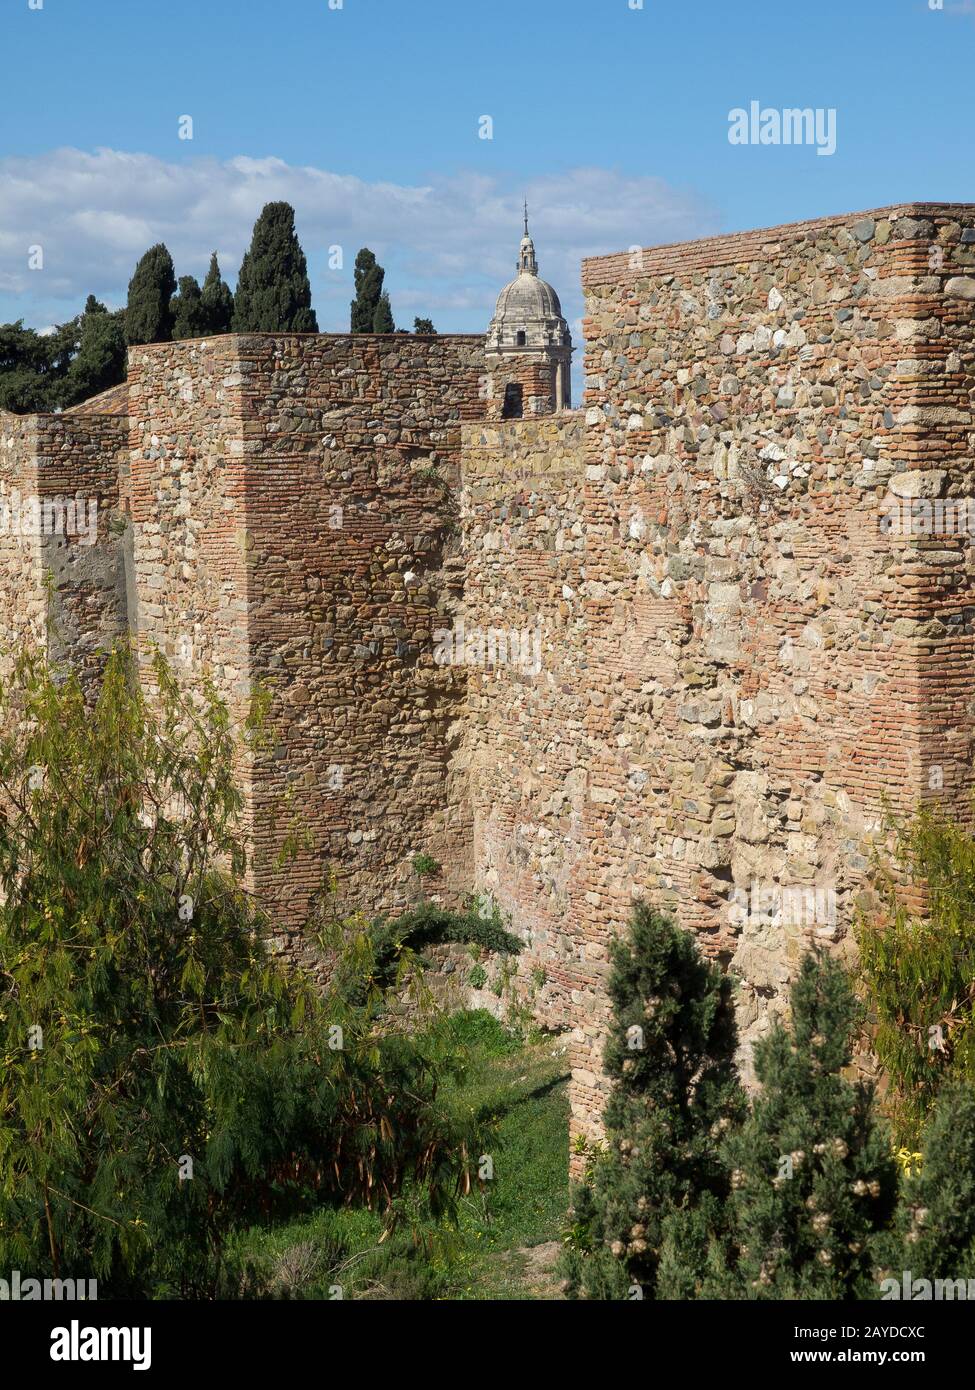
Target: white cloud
447,245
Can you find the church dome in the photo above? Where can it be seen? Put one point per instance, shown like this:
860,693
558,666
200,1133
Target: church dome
531,297
528,312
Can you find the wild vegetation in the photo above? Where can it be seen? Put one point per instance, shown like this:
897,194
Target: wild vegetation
165,1083
181,1117
798,1192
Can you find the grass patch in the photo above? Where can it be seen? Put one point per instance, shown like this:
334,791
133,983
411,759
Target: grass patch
519,1087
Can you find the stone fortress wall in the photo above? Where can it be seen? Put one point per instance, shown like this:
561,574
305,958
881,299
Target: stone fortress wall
663,647
61,552
293,509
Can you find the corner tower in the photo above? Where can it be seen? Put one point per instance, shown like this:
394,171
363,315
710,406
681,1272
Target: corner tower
529,347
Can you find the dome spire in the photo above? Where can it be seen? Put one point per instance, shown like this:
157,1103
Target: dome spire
527,264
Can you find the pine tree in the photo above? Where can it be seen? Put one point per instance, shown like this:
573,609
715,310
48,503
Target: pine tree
935,1232
189,315
383,320
51,371
670,1057
100,361
424,326
369,276
813,1178
149,314
218,301
273,291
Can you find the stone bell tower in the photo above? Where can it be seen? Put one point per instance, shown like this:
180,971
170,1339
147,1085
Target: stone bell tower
529,347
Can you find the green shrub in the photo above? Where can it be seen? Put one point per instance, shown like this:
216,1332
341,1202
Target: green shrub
670,1058
935,1231
813,1179
398,942
163,1082
919,973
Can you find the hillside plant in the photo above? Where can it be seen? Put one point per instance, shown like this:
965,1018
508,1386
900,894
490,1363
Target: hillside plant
370,308
812,1175
934,1236
189,316
217,300
919,972
164,1082
55,370
674,1093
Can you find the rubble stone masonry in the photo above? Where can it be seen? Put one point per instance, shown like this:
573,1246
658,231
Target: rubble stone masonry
294,507
61,551
678,645
767,664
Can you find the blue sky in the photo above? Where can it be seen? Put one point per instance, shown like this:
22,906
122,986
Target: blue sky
614,120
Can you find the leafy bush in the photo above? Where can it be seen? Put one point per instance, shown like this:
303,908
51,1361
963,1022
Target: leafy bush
395,944
935,1231
919,973
164,1083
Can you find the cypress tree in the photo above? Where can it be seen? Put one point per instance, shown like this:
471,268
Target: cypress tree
383,319
218,301
670,1056
369,276
149,314
273,292
813,1178
189,316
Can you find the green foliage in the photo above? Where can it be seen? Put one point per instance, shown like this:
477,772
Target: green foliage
425,866
516,1094
366,307
383,318
919,974
394,946
145,1020
218,301
27,367
475,1030
812,1173
424,326
100,361
149,312
273,291
189,315
51,371
935,1231
670,1060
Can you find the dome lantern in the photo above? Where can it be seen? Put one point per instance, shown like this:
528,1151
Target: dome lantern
529,336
